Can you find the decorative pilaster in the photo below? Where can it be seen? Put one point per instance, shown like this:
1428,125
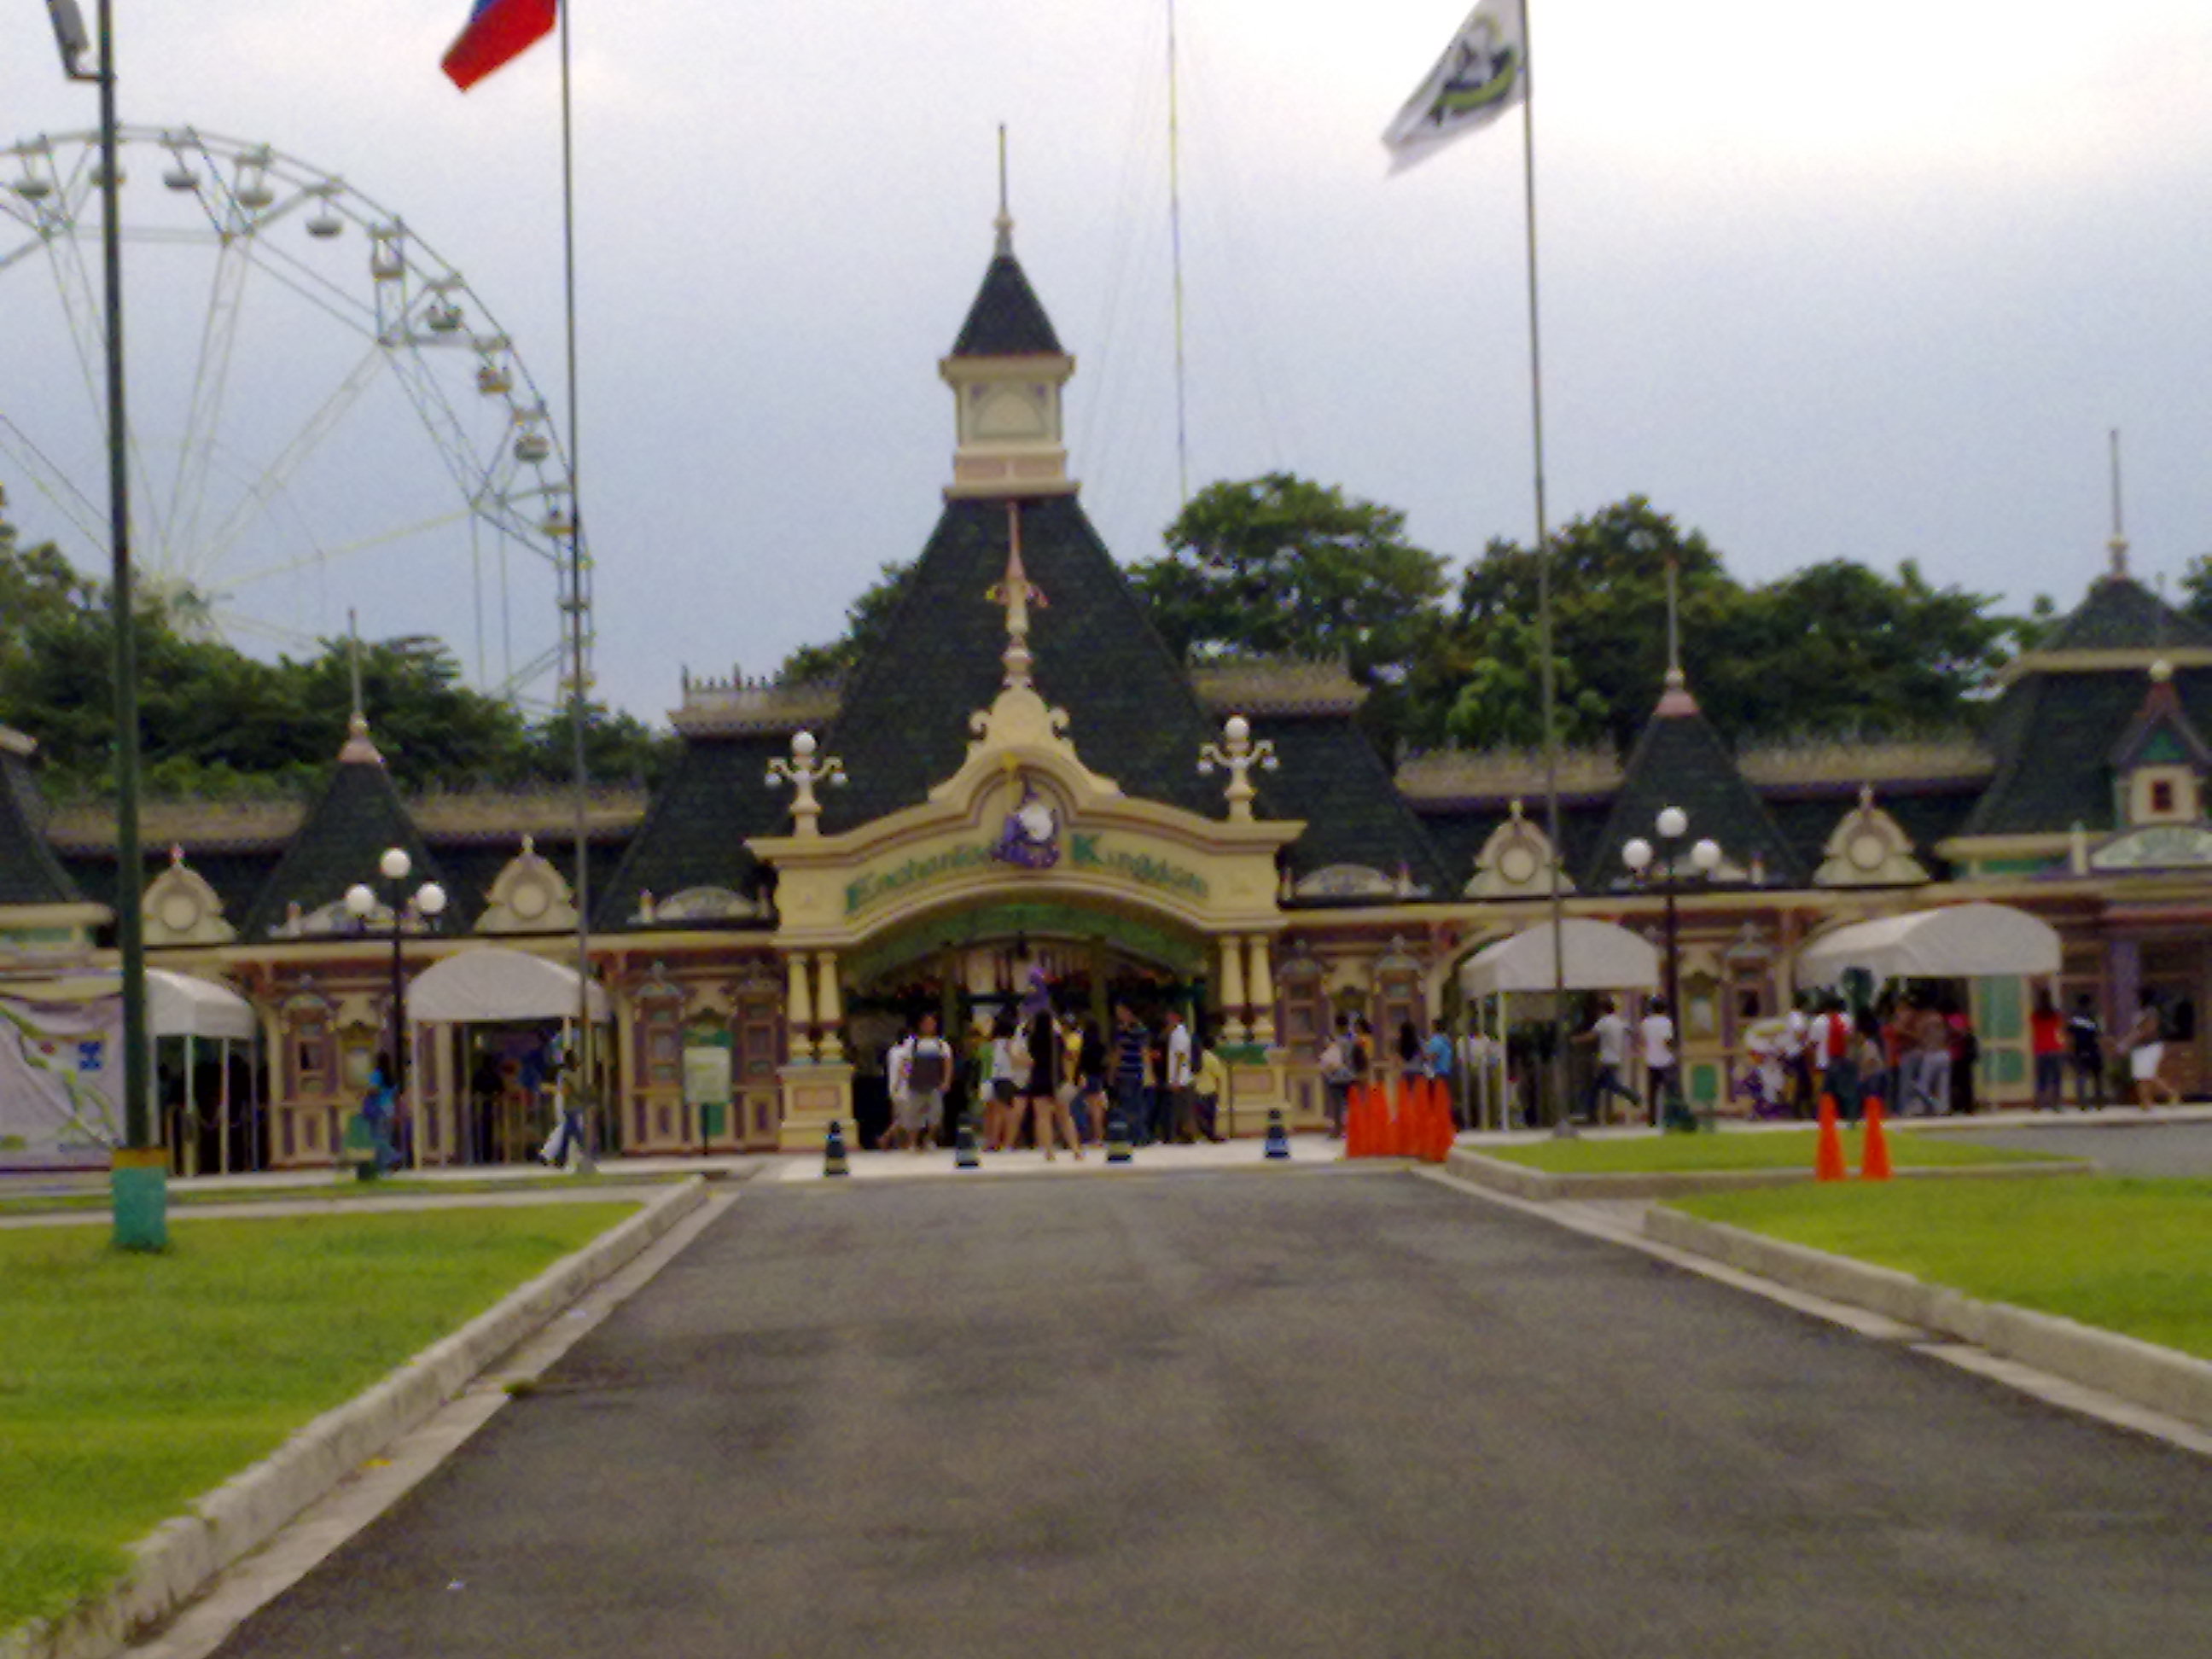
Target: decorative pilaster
829,1010
1263,983
799,1006
1232,988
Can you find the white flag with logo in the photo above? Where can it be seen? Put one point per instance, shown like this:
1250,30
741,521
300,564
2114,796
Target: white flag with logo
1483,73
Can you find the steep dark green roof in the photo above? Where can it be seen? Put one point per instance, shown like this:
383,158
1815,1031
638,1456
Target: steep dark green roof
347,831
1331,776
1133,716
29,871
1679,760
2053,736
1006,319
693,834
2121,614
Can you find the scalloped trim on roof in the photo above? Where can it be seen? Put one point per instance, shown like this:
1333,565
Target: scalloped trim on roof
1277,685
726,707
1446,776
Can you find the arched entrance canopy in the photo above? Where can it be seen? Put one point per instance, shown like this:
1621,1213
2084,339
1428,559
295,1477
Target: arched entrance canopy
484,986
1599,957
1961,941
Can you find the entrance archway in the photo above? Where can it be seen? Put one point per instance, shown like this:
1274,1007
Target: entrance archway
966,965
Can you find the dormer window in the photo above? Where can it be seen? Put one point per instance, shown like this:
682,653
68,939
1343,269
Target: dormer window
2161,797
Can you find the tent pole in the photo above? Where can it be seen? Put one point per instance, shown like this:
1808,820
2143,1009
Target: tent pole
222,1110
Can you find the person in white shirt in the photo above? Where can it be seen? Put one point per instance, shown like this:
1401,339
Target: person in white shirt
1180,1118
1609,1033
1656,1033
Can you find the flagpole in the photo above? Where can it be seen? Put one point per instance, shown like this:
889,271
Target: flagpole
575,603
1562,1122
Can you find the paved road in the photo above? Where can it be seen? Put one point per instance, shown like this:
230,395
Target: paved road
2122,1146
1279,1414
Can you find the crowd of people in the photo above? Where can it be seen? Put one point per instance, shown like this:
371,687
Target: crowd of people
1035,1075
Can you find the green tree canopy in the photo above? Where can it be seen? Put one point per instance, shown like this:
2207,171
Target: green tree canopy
215,721
1836,648
867,620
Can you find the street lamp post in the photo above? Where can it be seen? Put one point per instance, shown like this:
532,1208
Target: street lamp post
138,1186
1672,826
428,900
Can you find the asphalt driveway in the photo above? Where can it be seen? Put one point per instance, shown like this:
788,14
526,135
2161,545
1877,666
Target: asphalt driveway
1267,1413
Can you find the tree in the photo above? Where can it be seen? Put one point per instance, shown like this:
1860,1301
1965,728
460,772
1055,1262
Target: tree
1836,648
867,621
1282,566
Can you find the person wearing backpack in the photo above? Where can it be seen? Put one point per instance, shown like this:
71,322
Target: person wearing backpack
1336,1077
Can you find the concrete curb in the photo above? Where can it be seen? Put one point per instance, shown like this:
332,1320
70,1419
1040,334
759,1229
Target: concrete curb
175,1562
1541,1186
2162,1379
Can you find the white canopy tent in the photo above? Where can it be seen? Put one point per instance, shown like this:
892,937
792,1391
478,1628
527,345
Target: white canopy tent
1596,956
491,984
199,1011
1959,941
1599,957
178,1004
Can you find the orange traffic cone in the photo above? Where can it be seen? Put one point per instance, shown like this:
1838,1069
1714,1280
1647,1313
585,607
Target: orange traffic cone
1362,1107
1828,1160
1440,1120
1354,1109
1873,1159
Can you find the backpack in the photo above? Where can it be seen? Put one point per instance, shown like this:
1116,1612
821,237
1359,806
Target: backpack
1334,1068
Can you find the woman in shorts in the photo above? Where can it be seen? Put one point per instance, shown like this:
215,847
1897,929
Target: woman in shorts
2146,1048
1045,1096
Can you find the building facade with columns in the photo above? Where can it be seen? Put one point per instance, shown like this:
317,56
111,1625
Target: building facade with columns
1022,780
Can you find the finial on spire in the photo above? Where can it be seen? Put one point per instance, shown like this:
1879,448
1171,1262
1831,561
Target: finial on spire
2117,546
1004,224
1675,699
1016,593
352,660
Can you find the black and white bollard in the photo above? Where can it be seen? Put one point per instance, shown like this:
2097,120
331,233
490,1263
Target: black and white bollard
1279,1141
833,1151
963,1145
1117,1137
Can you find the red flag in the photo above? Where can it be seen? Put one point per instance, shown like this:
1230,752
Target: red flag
498,32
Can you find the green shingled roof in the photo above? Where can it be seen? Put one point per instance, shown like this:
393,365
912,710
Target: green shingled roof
694,836
357,817
1331,776
1006,319
29,871
2121,614
1133,717
2054,735
1679,760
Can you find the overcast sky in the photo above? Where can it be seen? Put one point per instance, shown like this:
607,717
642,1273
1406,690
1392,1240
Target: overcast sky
1818,283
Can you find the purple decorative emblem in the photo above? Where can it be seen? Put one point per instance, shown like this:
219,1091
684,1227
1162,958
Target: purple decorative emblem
1031,837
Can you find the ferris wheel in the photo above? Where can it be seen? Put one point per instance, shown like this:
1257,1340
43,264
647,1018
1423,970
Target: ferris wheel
322,416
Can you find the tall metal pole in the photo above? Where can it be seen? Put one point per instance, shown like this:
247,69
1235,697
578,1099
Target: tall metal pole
1562,1121
1659,1105
1174,245
576,602
398,1078
138,1187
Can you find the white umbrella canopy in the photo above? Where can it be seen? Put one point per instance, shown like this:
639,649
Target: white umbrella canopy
491,984
1959,941
179,1005
1599,957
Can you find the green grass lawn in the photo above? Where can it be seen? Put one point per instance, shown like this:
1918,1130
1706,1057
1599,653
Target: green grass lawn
1769,1149
346,1189
2133,1256
131,1384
